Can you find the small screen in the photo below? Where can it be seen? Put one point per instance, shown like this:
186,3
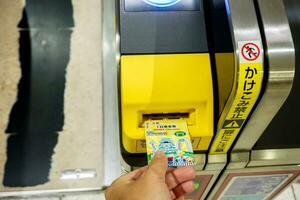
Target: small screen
253,187
161,5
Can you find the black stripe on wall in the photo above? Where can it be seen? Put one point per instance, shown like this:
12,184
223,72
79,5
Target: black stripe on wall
38,115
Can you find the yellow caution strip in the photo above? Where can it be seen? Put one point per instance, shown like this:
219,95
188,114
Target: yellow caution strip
246,90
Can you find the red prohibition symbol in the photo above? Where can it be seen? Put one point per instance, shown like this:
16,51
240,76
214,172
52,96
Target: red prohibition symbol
250,51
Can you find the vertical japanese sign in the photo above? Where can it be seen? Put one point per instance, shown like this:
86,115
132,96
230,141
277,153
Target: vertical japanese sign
250,77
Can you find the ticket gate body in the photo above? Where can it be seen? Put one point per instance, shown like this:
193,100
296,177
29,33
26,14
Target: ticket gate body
238,60
252,28
256,169
253,42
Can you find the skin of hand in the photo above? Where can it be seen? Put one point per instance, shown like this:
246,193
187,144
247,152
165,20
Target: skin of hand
153,182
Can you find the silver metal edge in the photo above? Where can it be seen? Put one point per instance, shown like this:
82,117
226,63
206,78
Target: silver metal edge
216,162
245,170
200,161
271,157
238,160
281,56
110,53
242,29
48,193
239,13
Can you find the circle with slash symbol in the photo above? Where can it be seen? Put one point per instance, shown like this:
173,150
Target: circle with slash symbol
250,51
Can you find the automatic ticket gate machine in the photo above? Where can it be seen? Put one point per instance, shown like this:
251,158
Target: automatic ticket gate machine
153,58
152,54
265,158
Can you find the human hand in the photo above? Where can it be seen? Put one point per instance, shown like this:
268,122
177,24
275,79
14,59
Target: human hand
153,182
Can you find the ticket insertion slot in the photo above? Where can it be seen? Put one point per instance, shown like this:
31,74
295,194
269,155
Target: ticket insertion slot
162,116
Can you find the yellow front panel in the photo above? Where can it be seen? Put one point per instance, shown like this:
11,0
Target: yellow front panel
225,76
166,84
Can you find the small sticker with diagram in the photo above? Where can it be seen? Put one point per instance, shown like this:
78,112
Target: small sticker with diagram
172,138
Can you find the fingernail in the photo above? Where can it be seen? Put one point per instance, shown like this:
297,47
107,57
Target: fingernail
159,154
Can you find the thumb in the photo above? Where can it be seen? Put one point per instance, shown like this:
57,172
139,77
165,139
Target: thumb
158,165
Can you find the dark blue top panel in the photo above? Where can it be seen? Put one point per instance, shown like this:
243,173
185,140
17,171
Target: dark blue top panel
162,31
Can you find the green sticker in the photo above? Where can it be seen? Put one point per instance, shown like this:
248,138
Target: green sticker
197,185
180,133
